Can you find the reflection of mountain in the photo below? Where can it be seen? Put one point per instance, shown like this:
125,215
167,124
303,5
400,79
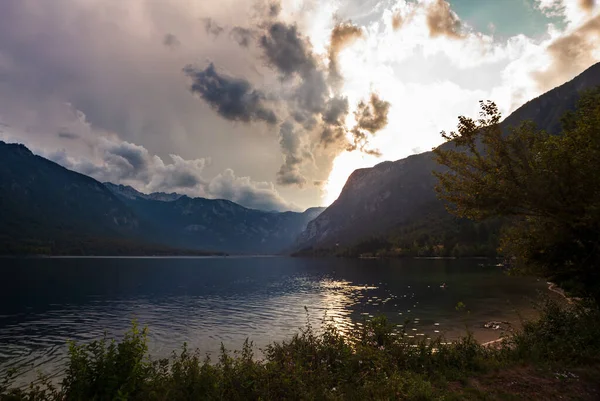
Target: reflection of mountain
397,198
48,209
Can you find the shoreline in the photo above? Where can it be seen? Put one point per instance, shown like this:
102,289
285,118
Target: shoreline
553,287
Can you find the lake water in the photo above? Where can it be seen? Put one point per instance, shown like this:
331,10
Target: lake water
205,301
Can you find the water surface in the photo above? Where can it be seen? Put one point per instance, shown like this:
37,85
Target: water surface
208,301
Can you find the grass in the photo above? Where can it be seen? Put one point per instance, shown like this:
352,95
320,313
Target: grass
556,356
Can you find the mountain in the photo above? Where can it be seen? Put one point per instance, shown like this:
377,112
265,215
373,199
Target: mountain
48,209
215,224
386,199
129,192
44,205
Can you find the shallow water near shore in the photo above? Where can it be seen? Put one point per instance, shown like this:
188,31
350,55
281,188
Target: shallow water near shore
208,301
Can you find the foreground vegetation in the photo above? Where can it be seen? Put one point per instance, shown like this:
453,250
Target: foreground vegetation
557,355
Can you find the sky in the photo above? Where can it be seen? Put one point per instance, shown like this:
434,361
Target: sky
271,104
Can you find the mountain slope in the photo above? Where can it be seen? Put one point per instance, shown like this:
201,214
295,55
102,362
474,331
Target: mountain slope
215,224
43,203
378,200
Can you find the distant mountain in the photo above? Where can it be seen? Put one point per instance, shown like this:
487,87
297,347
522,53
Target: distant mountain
385,199
48,209
128,192
215,224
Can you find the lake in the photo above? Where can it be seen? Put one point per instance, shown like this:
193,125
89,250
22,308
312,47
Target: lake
208,301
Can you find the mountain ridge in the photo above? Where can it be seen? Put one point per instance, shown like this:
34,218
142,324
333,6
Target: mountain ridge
49,209
392,193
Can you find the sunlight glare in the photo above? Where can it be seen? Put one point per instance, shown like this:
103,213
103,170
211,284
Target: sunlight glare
343,165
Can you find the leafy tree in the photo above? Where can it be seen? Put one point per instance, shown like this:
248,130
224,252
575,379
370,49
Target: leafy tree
547,187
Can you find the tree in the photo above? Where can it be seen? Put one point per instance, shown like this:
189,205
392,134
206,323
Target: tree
546,187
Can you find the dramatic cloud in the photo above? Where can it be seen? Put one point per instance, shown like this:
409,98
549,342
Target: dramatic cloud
233,98
442,21
293,95
171,40
342,35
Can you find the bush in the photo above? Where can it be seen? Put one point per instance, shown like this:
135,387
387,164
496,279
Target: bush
377,363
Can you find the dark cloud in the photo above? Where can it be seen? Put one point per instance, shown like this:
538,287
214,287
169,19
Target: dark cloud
336,111
134,160
312,93
308,102
274,9
211,27
587,5
233,98
294,156
243,36
442,21
287,50
570,54
289,173
67,135
372,116
333,135
341,36
290,53
171,40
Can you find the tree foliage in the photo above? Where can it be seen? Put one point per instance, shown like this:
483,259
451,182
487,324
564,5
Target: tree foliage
548,187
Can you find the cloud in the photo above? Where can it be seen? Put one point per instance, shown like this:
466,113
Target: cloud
570,54
372,116
287,50
587,5
211,27
305,97
233,98
171,40
442,21
274,9
336,111
294,156
243,36
255,195
397,21
342,35
130,164
67,135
